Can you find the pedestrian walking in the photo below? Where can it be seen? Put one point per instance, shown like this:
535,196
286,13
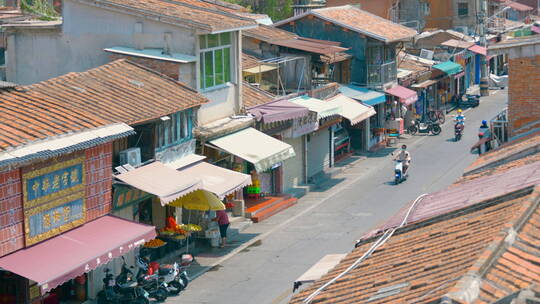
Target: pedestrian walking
223,221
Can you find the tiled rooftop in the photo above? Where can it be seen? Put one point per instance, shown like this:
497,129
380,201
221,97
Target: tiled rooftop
269,33
510,151
362,22
27,116
120,91
466,193
202,15
444,257
253,96
249,61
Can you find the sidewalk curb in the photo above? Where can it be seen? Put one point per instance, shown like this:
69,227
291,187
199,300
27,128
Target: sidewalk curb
263,235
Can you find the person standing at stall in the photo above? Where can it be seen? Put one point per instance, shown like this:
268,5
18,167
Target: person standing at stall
223,221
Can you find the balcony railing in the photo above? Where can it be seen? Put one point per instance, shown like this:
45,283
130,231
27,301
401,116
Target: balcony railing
379,74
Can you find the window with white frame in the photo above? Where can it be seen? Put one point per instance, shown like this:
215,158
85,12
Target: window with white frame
215,60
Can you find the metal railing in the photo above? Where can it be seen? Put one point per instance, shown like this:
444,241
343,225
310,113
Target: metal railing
499,125
379,74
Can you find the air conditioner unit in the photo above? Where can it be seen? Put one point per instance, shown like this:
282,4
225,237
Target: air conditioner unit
426,54
131,156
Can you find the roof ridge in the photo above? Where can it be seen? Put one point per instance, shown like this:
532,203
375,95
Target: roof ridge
206,9
467,288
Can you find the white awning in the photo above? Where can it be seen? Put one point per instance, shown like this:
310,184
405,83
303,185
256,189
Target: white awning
217,180
261,150
260,69
161,180
322,108
327,263
351,109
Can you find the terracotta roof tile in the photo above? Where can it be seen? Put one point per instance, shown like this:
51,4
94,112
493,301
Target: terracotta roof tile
423,262
198,14
120,91
253,96
269,33
360,21
27,116
508,152
249,61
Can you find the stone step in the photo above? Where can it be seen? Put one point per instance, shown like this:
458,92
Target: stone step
268,212
238,226
271,201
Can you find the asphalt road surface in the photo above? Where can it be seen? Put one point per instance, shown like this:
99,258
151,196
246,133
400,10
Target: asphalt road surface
330,219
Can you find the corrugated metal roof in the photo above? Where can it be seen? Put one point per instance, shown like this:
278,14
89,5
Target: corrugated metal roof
310,46
57,145
269,33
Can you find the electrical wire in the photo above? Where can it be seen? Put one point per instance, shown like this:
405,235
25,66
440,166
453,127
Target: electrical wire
380,241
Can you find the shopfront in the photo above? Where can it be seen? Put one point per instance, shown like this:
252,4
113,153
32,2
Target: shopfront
354,113
448,85
370,130
402,113
427,97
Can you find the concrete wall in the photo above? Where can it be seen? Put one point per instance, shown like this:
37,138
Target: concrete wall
470,20
523,94
318,152
380,8
79,45
293,168
319,29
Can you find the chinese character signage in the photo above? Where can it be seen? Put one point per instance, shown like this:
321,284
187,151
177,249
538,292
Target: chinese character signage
53,199
125,196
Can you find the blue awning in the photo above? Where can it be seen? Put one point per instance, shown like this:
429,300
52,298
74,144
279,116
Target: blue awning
449,67
364,95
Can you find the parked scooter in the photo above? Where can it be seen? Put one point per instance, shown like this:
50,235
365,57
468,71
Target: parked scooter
399,175
173,275
122,290
428,127
154,285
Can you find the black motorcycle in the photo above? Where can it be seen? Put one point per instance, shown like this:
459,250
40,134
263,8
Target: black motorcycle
458,131
123,290
153,284
427,127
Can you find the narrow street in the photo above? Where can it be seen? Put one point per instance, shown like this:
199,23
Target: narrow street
330,219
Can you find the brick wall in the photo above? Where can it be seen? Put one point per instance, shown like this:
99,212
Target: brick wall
523,93
98,181
11,211
171,69
379,8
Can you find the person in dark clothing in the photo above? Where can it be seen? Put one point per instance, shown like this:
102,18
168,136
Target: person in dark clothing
223,221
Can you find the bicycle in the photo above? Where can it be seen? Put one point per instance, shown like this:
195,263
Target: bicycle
436,116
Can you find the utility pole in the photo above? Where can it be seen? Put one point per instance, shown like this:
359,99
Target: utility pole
484,85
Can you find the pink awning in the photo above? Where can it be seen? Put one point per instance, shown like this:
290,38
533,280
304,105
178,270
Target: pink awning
83,249
478,50
406,96
535,29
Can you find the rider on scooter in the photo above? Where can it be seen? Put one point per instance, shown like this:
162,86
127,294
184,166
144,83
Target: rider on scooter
460,118
405,157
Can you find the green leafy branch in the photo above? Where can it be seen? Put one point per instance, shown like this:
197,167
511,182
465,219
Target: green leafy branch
41,8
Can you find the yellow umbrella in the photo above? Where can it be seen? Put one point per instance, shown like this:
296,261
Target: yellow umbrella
199,200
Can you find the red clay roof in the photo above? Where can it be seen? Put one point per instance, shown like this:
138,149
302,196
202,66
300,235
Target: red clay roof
466,193
27,116
448,256
509,151
253,96
249,61
363,22
269,33
120,91
197,14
